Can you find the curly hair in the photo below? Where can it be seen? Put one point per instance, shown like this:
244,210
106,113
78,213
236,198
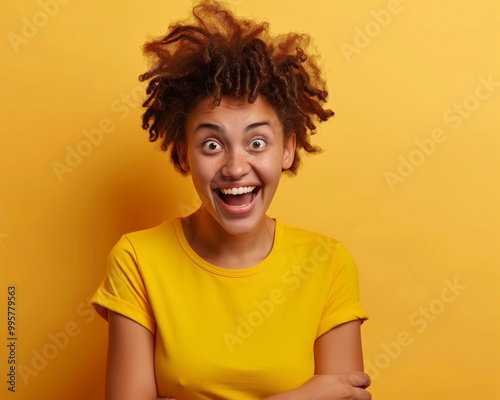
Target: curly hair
221,55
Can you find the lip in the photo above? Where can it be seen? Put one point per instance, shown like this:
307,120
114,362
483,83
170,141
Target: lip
243,210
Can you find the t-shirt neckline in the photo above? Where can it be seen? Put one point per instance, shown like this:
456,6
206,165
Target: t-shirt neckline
228,272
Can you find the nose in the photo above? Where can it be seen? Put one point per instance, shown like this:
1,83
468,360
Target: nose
235,165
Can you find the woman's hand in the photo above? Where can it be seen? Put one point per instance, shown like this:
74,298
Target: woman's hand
350,386
341,387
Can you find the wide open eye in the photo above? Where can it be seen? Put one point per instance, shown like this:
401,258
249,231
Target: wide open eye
212,145
258,144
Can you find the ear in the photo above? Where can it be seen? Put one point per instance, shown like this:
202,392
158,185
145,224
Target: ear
289,151
181,148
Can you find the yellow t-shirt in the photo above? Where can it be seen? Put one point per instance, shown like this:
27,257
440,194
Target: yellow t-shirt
231,333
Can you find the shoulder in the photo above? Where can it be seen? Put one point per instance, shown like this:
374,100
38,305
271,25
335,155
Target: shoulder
309,243
295,236
153,235
147,240
154,232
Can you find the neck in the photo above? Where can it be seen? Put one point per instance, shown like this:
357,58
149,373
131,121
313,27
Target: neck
224,249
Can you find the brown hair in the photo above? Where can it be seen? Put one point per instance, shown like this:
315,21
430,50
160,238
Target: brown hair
220,55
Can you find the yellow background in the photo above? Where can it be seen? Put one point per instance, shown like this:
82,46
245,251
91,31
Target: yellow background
437,226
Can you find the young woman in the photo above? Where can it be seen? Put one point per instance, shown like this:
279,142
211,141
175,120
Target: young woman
229,303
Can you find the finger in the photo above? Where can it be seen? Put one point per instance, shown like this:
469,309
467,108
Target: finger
359,379
361,394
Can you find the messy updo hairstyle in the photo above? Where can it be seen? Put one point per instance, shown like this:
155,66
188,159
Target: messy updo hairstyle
216,55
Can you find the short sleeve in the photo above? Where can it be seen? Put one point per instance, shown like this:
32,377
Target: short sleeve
122,289
342,302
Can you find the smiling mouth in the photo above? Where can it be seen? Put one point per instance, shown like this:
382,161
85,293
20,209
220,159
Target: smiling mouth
238,197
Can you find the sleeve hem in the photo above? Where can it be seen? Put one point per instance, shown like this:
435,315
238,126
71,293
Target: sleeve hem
352,313
103,301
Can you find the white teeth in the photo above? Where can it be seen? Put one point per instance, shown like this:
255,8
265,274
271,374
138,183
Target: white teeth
240,190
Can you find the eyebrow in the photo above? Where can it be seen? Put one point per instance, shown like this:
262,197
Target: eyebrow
219,129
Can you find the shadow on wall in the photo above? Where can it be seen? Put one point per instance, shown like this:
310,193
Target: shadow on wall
134,196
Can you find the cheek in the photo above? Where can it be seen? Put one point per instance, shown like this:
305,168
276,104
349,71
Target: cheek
275,163
203,171
270,170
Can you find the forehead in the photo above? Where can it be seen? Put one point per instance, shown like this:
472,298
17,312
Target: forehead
233,109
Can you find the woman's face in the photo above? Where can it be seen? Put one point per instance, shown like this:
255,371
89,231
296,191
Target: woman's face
235,154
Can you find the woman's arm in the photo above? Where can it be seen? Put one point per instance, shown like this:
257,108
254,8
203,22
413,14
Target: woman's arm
338,368
130,368
339,350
